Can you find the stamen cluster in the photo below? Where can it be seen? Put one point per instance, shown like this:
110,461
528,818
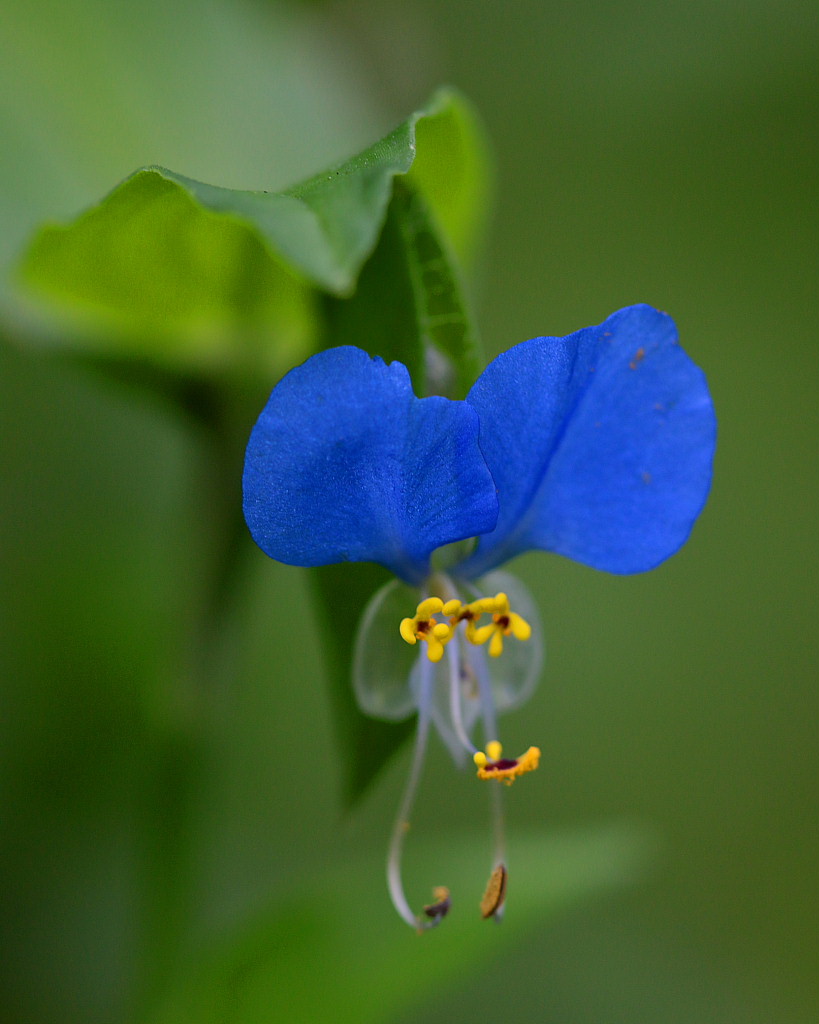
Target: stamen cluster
504,622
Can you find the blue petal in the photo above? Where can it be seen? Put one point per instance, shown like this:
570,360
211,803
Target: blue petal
346,464
600,443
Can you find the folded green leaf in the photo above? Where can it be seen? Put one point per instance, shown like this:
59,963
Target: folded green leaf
200,277
152,275
443,324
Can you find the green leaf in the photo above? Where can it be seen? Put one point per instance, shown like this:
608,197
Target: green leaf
240,94
338,928
443,323
425,322
452,170
441,150
162,279
381,315
206,278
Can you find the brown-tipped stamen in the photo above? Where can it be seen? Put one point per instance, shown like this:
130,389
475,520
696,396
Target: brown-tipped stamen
495,894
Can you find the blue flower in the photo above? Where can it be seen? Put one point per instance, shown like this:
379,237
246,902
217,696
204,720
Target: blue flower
597,446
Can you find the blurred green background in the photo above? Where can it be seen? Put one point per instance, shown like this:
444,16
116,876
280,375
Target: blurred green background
162,785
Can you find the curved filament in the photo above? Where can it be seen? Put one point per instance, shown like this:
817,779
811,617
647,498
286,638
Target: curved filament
402,821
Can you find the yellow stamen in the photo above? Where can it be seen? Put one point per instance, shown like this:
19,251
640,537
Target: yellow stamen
429,606
505,769
468,614
505,622
424,626
407,629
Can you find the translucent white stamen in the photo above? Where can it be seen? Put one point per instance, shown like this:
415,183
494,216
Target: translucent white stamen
402,821
454,653
490,732
487,698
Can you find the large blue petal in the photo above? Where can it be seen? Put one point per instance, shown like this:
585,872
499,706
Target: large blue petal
600,443
346,464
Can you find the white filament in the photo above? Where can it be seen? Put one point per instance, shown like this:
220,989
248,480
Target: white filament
402,821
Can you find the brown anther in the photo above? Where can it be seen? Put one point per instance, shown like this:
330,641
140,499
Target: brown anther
438,910
495,892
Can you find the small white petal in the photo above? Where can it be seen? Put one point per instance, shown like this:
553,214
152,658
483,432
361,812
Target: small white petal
382,660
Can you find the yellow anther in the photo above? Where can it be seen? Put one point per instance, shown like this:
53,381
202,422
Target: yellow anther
505,622
423,626
483,605
469,614
407,629
494,750
429,606
505,769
